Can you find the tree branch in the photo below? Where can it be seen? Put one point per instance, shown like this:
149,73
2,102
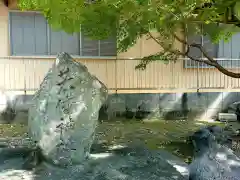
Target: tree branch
186,53
210,61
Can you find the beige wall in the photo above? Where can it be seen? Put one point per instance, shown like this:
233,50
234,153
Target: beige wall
18,73
27,73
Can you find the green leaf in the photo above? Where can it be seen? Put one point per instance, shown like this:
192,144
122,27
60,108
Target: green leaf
130,20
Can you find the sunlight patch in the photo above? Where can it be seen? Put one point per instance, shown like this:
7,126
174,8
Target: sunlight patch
12,174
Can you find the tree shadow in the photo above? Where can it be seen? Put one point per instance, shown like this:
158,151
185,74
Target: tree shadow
130,161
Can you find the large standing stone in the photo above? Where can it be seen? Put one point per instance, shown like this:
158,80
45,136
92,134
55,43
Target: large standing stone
65,109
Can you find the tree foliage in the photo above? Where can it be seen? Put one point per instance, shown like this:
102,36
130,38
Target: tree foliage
129,20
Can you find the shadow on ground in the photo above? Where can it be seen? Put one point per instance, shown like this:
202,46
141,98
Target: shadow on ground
154,134
129,162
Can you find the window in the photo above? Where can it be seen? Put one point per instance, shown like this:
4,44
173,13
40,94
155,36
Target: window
30,34
226,53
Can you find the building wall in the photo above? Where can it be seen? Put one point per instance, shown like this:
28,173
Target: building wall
168,106
171,106
156,86
18,73
4,44
26,73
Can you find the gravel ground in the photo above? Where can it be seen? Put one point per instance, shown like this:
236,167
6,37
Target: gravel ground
144,158
168,135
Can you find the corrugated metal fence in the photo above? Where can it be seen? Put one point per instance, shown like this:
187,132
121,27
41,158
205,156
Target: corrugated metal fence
24,74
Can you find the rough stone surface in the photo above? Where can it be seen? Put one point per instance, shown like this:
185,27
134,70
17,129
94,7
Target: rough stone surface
65,109
213,161
119,164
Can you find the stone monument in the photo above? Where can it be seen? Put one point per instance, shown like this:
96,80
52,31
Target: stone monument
65,112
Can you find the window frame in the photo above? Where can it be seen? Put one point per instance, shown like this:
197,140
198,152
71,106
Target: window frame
198,65
48,43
